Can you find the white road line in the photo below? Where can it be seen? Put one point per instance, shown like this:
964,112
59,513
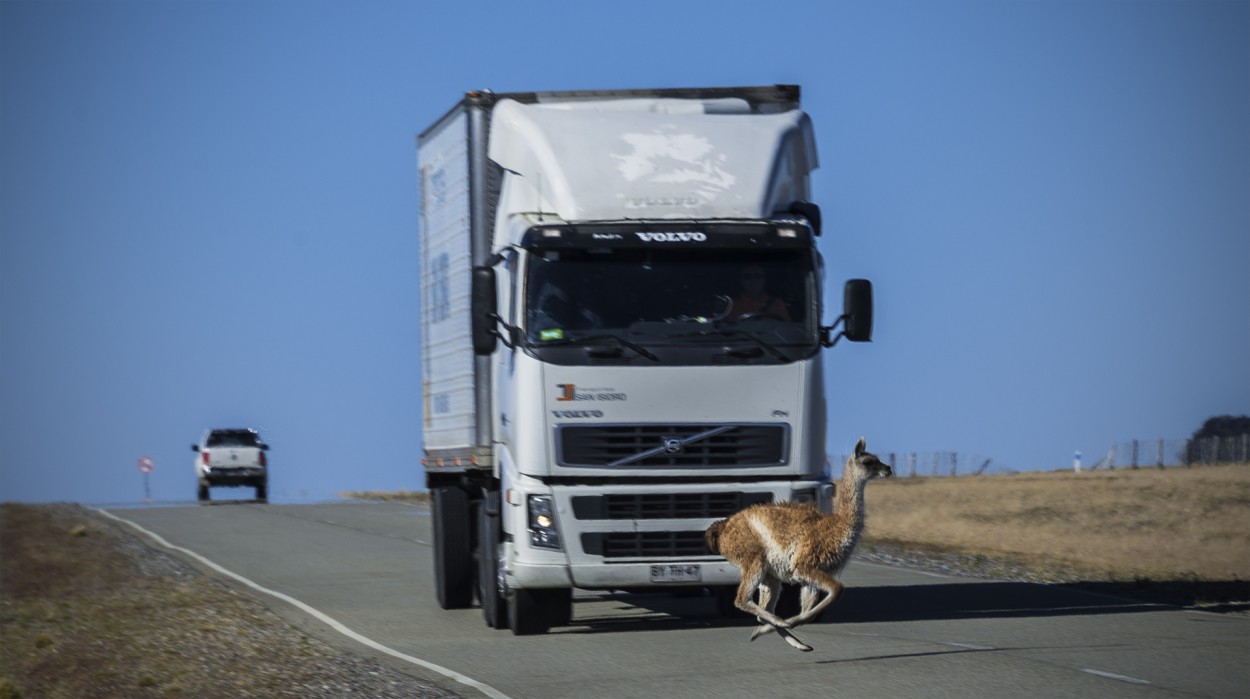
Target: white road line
318,614
1113,676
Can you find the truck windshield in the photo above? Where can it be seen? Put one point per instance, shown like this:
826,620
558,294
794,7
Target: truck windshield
659,297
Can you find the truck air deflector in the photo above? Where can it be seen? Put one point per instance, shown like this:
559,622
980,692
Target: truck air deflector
655,234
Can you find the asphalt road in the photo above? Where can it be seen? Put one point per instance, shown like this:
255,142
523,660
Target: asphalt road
895,633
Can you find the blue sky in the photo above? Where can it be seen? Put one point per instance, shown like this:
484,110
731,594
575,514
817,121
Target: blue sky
208,217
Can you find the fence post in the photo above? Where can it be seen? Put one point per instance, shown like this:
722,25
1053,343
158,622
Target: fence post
1134,447
1189,453
954,464
911,464
1159,454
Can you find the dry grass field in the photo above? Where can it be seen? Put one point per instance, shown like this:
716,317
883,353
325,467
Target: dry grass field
1175,524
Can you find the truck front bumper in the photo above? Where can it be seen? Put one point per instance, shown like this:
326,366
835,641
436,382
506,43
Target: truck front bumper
618,576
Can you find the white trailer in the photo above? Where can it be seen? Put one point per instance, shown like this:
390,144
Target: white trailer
621,338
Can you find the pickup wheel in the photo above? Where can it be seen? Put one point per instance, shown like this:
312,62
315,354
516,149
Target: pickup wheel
489,586
262,491
201,493
453,557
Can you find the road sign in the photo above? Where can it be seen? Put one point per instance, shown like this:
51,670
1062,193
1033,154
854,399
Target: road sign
146,465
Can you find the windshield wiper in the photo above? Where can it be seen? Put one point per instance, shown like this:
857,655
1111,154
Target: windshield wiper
738,332
592,339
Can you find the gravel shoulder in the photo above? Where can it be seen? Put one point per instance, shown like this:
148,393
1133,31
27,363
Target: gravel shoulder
90,609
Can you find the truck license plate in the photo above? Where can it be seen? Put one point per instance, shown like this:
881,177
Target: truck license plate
676,573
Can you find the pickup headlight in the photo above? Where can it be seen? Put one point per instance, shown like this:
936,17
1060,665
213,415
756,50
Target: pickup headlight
542,523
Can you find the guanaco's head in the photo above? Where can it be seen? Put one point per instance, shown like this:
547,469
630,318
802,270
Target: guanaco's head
866,464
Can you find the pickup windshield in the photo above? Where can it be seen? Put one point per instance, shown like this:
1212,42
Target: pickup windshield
232,438
672,297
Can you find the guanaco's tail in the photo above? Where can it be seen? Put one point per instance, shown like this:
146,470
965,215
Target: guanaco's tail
712,536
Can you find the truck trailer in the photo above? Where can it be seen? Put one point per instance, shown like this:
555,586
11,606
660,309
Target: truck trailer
621,338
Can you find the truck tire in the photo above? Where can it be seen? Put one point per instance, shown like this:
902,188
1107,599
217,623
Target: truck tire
536,611
526,614
489,589
453,555
201,493
262,491
559,604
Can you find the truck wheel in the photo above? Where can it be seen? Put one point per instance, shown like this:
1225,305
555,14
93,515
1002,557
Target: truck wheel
526,613
494,606
559,605
725,595
262,492
201,493
453,557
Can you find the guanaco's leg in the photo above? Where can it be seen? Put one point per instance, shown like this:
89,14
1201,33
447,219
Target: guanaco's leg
820,581
753,577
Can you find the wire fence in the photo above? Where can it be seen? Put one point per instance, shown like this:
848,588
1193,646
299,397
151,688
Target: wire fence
935,463
1161,453
1135,453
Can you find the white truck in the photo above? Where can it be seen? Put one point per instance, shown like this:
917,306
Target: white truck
621,338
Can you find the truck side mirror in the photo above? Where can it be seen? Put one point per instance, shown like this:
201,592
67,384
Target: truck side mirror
857,310
485,312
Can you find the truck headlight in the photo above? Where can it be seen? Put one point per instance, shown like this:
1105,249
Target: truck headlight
542,524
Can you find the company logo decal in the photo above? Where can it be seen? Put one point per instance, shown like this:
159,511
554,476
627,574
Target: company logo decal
570,392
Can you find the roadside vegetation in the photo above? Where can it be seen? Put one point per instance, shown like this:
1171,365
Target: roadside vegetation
1160,524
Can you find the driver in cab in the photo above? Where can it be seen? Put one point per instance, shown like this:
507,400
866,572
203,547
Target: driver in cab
753,300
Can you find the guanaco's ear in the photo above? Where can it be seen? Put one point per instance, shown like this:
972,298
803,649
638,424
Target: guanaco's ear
861,447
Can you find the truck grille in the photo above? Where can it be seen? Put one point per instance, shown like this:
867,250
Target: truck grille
664,505
672,445
645,544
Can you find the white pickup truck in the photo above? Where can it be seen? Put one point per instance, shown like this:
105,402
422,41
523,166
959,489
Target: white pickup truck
231,457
